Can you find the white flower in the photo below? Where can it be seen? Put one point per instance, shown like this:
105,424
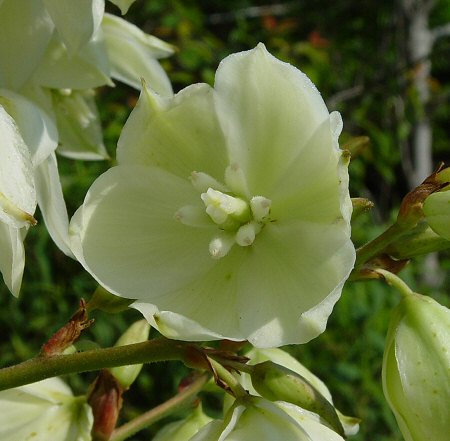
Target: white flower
262,420
17,200
44,411
228,215
416,368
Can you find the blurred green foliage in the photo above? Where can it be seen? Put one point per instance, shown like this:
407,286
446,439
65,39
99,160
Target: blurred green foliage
355,52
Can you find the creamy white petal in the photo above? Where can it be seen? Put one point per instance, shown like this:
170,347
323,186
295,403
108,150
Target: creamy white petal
12,256
80,132
180,134
301,265
130,239
26,29
88,68
269,110
76,21
17,192
132,54
310,189
51,203
124,5
205,309
261,420
311,423
36,128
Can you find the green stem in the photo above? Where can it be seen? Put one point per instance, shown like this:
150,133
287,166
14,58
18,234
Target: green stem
179,401
395,281
375,246
40,368
228,378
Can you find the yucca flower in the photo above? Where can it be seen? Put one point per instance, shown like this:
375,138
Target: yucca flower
43,411
228,215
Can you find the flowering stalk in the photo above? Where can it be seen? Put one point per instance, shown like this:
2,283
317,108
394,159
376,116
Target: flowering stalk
40,368
179,401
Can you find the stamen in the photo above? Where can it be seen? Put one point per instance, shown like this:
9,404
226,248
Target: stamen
221,245
202,181
193,216
235,179
260,207
246,234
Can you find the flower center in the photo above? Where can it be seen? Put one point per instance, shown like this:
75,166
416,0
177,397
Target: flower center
239,218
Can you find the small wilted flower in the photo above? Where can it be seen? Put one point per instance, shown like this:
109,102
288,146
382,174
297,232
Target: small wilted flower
44,411
262,420
416,368
229,209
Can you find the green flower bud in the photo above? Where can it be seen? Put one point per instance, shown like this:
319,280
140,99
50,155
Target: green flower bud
138,332
437,212
184,429
416,368
276,382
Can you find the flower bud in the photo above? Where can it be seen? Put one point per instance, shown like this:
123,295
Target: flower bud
105,398
138,332
437,213
44,411
276,382
184,429
416,368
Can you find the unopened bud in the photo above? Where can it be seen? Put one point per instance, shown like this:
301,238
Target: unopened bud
276,382
416,368
105,400
184,429
138,332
